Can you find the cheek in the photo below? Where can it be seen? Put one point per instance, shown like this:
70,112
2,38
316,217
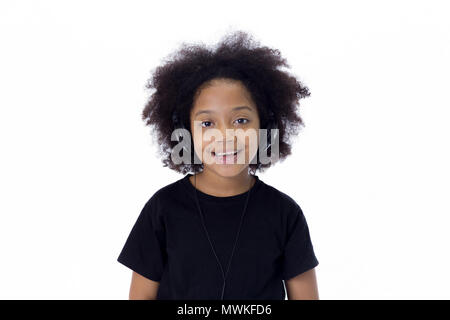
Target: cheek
252,140
200,145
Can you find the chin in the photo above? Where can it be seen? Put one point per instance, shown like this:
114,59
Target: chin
228,170
224,169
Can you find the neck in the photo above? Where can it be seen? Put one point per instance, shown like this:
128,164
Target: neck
211,183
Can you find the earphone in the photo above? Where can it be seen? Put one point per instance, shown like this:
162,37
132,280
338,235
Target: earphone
178,124
271,124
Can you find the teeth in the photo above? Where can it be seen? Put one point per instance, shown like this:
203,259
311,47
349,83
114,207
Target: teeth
225,154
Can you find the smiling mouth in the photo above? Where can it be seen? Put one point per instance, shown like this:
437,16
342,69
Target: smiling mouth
226,157
225,154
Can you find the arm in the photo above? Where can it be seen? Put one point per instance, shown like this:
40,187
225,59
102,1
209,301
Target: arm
303,286
142,288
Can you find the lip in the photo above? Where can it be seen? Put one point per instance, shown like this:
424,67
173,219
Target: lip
214,154
230,159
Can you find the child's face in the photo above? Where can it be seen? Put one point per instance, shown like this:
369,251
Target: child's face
214,111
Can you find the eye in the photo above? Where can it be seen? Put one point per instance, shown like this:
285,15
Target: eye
203,123
246,120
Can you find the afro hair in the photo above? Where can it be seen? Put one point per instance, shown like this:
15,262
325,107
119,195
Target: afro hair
177,82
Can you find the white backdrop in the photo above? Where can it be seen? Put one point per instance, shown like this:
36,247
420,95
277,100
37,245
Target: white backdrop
370,169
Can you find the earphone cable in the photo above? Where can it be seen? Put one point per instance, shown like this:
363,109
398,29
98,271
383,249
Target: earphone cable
207,235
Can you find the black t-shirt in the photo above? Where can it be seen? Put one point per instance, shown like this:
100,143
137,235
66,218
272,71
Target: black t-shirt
168,243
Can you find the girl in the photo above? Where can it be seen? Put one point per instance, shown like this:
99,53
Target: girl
220,232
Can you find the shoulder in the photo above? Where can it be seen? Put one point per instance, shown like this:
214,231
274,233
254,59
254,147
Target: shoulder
162,198
282,200
282,211
165,194
282,207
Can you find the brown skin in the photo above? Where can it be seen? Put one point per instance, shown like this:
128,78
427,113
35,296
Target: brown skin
219,98
142,288
303,286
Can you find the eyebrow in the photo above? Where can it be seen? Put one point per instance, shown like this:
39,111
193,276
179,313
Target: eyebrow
234,109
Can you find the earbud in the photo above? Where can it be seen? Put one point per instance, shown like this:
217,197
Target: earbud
178,125
271,124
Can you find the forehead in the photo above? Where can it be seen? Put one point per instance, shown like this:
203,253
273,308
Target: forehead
223,96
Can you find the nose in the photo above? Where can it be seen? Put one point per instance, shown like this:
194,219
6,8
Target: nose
226,142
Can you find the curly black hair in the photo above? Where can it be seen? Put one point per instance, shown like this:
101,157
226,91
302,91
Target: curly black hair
237,56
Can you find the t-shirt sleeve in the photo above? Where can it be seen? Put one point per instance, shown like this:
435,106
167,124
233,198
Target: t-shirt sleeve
298,255
144,250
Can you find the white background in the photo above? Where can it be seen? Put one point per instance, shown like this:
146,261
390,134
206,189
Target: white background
370,169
